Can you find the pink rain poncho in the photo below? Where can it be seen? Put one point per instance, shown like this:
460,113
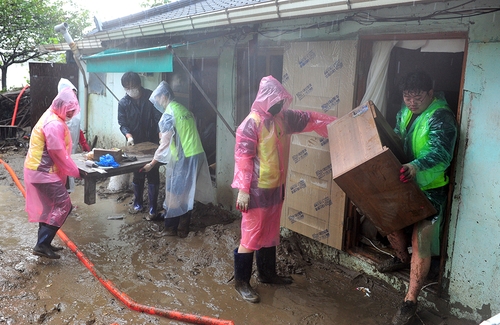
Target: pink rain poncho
48,163
261,151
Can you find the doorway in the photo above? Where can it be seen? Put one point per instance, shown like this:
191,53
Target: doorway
204,71
442,56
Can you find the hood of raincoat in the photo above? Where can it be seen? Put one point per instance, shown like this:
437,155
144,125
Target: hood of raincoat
161,96
65,102
65,83
271,91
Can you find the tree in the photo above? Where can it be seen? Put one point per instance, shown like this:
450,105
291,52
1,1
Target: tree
26,24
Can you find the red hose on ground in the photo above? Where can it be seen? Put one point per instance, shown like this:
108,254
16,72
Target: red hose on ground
17,105
124,298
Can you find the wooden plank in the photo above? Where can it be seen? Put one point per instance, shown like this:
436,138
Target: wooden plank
89,194
44,78
374,187
140,149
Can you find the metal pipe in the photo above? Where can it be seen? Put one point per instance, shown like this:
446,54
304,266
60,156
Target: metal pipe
63,29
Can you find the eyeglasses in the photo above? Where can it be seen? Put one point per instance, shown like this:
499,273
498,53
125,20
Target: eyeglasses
415,97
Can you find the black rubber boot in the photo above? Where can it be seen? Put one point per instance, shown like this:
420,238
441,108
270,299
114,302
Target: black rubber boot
153,200
43,247
138,199
171,225
183,228
242,273
54,248
266,266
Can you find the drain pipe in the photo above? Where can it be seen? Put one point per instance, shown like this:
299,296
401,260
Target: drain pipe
124,298
63,29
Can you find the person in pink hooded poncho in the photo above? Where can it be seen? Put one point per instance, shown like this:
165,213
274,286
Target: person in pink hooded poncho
46,167
261,151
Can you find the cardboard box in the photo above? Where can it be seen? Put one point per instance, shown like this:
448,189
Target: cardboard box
116,153
320,77
364,154
314,204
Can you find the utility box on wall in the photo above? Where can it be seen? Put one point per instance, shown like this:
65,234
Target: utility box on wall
366,157
320,76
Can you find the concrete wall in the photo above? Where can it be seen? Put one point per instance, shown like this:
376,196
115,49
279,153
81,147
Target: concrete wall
103,110
474,265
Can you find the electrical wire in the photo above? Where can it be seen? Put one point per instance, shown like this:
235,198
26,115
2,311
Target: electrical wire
428,284
375,246
367,18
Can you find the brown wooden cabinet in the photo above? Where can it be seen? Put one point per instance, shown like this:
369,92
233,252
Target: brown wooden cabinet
364,154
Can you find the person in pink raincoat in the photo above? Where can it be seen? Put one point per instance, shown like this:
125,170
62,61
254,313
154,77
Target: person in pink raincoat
46,167
261,151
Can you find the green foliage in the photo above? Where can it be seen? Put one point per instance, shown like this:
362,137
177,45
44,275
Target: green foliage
26,24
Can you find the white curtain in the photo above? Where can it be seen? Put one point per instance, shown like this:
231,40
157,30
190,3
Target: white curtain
377,75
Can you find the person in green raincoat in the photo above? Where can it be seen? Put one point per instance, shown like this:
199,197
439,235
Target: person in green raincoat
187,174
428,130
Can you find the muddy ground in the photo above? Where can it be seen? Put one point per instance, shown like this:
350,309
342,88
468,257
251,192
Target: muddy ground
191,275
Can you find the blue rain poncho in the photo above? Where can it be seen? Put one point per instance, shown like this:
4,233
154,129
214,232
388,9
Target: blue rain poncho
187,174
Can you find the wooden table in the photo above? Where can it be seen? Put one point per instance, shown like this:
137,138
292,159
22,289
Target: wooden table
143,152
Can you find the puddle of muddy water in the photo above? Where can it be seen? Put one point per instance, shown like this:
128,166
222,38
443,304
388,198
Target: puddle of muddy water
191,275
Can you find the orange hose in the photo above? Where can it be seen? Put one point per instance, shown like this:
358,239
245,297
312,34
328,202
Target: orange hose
17,105
124,298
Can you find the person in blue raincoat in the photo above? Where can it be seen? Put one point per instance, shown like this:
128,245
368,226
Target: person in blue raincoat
187,174
262,143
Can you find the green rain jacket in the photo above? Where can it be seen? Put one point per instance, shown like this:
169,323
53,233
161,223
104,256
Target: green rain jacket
429,142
